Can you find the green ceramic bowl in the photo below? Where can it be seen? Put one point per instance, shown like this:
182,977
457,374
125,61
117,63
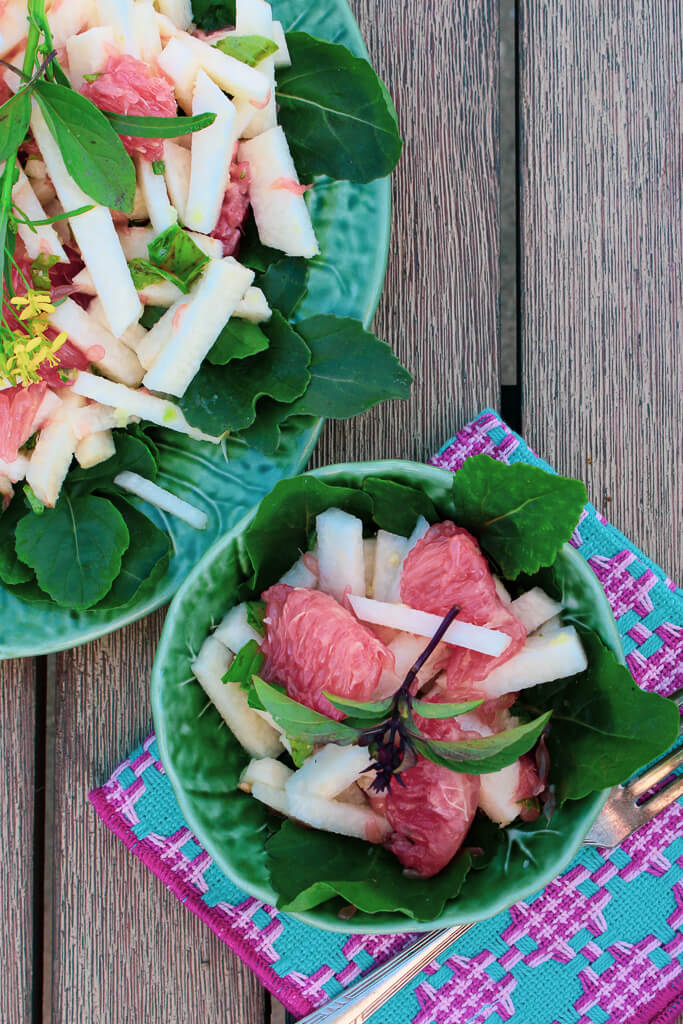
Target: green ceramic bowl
197,754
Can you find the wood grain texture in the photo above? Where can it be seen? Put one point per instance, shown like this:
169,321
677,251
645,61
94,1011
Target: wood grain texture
17,723
439,310
601,248
124,948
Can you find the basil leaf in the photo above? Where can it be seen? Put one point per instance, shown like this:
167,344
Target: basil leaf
334,111
284,284
175,252
285,518
308,867
91,149
436,709
298,720
15,115
142,127
300,750
145,561
40,271
256,611
250,50
238,340
12,570
222,398
397,506
213,14
486,754
604,727
521,515
373,712
75,549
247,662
351,370
131,453
145,273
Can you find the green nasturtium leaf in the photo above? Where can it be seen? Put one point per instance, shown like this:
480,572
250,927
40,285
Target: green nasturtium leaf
173,256
335,114
250,50
247,662
239,339
397,506
284,283
298,720
223,398
255,255
12,570
75,549
212,14
308,867
145,561
15,115
604,727
351,370
486,754
91,149
520,514
285,519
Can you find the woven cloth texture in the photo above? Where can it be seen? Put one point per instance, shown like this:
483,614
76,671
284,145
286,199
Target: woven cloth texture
602,944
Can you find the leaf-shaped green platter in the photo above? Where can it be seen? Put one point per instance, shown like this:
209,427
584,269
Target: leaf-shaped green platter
203,760
352,226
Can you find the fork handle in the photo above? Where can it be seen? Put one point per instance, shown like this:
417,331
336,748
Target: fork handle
356,1004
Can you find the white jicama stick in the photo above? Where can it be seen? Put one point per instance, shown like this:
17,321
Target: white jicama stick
13,25
131,338
95,235
139,206
272,797
253,306
179,11
333,816
155,495
118,362
88,53
70,17
544,657
211,155
300,576
389,554
253,18
39,240
177,160
257,737
281,56
340,553
146,31
119,14
369,557
410,620
16,470
267,771
179,63
264,117
135,241
498,789
195,325
329,771
234,631
46,410
155,195
534,608
418,533
282,217
52,455
96,418
231,75
137,403
95,448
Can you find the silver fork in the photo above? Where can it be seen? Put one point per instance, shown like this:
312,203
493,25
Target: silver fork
621,816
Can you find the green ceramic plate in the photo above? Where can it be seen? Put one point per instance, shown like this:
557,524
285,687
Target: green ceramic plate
352,225
198,753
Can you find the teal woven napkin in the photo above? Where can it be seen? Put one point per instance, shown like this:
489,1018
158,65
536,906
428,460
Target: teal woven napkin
602,944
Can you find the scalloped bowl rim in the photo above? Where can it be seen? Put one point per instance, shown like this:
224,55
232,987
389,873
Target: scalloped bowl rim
384,922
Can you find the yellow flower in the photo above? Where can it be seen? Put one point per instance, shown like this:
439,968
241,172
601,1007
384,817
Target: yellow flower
23,351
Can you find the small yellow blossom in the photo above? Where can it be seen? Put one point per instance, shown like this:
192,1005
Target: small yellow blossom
23,351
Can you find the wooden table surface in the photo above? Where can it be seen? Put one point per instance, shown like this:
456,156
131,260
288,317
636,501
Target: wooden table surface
535,267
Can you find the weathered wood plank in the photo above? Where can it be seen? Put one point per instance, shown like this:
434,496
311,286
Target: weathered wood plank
17,725
124,948
440,306
601,248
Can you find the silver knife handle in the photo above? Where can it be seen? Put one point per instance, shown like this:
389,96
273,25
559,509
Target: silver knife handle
356,1004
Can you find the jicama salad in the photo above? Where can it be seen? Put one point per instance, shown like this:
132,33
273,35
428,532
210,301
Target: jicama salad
156,238
411,682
